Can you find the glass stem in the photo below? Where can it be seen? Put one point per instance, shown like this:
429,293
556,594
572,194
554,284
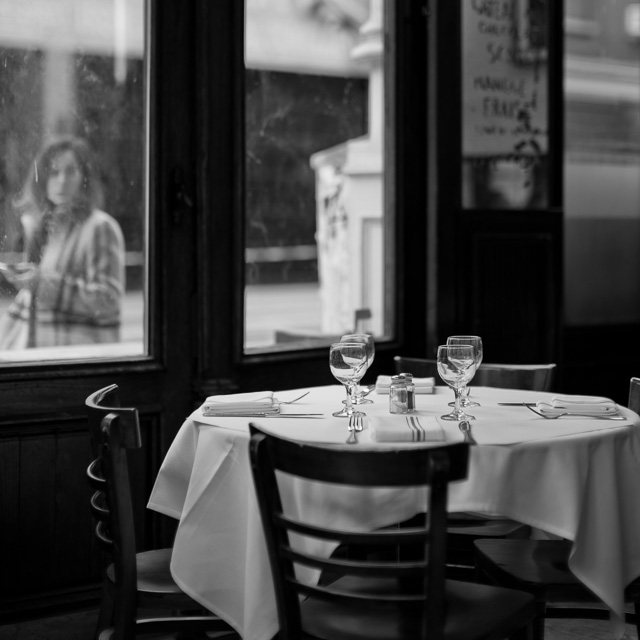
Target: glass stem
457,394
350,389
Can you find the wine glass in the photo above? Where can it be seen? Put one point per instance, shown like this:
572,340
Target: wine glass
476,343
456,368
348,362
370,346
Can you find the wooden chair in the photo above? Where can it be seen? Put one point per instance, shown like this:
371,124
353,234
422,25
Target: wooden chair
408,599
304,339
536,377
464,528
132,581
542,568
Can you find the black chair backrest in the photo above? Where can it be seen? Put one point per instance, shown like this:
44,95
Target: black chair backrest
533,377
419,367
115,430
416,467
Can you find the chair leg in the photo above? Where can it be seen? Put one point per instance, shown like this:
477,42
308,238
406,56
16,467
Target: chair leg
105,615
526,633
538,621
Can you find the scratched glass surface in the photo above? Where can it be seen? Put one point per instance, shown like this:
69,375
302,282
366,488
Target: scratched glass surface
602,164
504,91
315,172
73,67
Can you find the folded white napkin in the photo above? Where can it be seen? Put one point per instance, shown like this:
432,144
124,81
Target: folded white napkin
422,385
405,428
242,404
583,405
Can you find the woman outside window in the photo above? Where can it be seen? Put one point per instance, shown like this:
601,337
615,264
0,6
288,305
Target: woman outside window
73,279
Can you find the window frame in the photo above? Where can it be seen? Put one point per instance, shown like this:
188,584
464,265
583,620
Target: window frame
223,365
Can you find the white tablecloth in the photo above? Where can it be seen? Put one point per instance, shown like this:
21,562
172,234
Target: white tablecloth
572,477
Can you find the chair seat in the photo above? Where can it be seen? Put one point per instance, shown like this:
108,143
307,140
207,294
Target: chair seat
156,586
538,566
499,528
183,627
154,575
531,564
474,612
463,529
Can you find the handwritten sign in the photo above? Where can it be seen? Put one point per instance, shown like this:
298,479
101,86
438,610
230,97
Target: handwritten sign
504,99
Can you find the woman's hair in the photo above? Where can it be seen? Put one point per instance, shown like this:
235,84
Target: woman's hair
34,194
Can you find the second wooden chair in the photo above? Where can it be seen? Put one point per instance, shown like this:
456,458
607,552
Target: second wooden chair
134,580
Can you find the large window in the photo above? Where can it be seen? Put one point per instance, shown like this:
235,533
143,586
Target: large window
602,164
315,173
72,179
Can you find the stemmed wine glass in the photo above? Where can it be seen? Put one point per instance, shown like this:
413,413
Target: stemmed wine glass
370,346
456,368
476,343
348,362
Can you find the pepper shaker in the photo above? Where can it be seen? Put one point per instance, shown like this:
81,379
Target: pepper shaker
411,391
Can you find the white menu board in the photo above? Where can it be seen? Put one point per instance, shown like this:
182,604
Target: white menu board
504,95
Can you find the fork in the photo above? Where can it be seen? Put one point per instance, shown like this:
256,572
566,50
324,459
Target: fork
570,413
352,439
465,427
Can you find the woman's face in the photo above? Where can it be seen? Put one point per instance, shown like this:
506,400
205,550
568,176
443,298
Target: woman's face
65,178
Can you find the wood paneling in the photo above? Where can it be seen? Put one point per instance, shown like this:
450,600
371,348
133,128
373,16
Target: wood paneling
47,531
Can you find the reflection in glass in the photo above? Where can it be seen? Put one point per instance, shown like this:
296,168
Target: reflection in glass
72,226
505,123
70,280
314,172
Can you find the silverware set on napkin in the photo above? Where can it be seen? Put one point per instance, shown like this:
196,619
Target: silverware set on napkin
555,416
249,413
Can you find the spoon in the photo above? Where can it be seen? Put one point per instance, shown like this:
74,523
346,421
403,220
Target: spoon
368,390
465,427
295,399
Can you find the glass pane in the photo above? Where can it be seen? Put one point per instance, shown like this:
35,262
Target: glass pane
315,220
72,177
504,92
602,163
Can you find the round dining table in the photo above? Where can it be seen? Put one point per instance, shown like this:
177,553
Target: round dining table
572,477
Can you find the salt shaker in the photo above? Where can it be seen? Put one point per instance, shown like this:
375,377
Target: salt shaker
398,395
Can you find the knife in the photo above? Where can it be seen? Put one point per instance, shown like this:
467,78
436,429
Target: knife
263,415
517,404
